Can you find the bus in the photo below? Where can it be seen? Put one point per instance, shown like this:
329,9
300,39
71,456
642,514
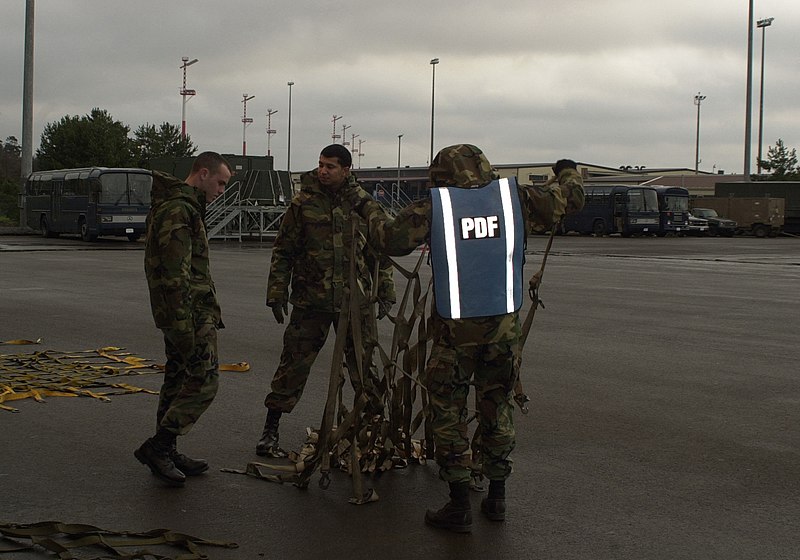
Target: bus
624,209
90,201
673,207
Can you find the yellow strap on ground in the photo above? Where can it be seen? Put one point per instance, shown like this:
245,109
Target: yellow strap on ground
22,341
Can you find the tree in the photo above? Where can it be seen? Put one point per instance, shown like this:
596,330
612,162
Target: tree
94,139
782,162
10,170
151,141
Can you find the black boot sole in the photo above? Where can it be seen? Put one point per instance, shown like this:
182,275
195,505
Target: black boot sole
455,528
143,460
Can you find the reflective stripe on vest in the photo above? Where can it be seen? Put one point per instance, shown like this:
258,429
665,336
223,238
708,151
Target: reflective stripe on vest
477,245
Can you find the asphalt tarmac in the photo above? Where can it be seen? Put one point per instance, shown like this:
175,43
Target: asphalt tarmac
663,424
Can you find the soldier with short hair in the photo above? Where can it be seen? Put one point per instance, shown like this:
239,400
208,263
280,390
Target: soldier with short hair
185,308
311,254
476,226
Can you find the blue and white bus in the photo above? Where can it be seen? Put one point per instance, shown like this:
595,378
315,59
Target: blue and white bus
624,209
91,201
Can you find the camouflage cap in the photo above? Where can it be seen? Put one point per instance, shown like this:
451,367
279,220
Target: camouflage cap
461,165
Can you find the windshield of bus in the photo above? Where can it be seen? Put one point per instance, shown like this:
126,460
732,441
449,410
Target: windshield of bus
676,203
125,188
642,200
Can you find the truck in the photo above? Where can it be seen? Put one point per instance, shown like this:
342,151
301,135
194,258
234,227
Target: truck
761,216
789,191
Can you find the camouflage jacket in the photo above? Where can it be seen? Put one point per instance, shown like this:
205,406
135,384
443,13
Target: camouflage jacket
312,250
542,207
182,293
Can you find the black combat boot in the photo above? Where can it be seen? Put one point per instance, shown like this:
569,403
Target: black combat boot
493,506
155,453
187,465
456,515
268,444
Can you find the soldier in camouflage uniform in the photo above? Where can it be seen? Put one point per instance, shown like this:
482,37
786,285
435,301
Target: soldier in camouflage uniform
311,252
482,348
185,308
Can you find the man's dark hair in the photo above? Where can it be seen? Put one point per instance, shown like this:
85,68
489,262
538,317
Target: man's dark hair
211,161
339,152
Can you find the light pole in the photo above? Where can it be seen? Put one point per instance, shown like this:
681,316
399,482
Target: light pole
353,137
396,194
185,93
748,109
26,166
270,131
289,133
344,133
360,151
763,24
334,136
697,100
245,121
434,62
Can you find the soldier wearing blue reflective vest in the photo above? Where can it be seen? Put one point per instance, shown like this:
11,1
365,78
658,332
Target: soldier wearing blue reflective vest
476,225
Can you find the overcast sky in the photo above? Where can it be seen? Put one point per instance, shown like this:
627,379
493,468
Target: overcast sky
609,82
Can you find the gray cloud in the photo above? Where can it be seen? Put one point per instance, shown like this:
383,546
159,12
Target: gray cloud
603,81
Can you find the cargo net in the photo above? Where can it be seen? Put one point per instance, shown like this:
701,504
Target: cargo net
350,437
52,373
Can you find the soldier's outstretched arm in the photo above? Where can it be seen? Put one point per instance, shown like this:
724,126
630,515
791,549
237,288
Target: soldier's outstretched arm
547,204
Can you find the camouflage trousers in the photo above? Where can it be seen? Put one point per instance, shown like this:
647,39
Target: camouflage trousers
448,374
190,383
302,340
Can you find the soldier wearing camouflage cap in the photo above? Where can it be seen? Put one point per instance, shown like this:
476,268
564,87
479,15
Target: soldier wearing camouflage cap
312,254
185,308
475,225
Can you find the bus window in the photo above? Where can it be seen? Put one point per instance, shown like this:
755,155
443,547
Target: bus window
114,188
140,185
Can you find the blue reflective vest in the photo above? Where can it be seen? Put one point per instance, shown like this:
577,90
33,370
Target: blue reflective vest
477,250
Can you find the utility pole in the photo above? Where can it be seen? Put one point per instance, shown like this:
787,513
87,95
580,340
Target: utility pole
245,121
334,136
270,131
185,93
697,100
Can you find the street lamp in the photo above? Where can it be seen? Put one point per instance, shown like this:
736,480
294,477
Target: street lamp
697,100
245,121
344,133
289,133
334,136
185,93
360,151
434,62
748,109
396,194
763,24
270,130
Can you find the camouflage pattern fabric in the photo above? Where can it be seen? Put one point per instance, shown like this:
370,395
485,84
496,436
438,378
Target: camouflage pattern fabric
311,250
485,344
302,340
183,299
448,374
190,384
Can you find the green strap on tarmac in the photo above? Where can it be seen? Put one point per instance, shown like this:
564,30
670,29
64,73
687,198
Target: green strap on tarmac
63,538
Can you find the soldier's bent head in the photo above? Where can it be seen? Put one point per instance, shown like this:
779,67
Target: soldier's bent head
461,165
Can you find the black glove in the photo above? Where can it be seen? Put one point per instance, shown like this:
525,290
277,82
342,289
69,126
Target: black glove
279,309
384,306
563,164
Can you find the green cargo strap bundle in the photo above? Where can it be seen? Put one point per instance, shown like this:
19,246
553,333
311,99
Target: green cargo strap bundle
63,538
